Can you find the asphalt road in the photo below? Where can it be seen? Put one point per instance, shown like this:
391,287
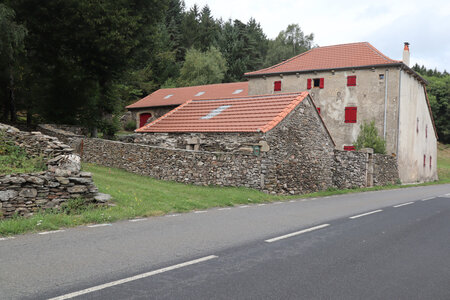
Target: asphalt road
393,253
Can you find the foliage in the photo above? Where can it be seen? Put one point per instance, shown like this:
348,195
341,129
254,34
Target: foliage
14,159
368,138
202,67
130,125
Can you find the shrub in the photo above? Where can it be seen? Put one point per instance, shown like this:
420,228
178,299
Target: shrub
130,125
368,138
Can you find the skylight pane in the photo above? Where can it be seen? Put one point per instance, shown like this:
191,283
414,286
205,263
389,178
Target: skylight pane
215,112
199,94
168,96
237,92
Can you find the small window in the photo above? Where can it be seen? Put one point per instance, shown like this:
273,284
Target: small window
417,126
424,160
277,86
318,110
350,114
351,80
381,76
349,148
430,161
426,131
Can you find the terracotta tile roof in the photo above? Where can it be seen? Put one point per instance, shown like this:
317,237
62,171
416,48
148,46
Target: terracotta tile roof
177,96
240,114
330,57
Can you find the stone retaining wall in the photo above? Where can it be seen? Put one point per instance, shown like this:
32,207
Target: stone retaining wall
63,133
385,170
350,169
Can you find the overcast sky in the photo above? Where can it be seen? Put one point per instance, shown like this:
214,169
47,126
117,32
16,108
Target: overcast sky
386,24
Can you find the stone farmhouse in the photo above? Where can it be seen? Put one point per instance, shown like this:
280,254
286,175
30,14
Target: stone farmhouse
350,84
353,83
162,101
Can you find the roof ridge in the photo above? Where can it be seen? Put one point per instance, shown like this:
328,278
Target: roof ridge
291,106
380,53
202,85
245,96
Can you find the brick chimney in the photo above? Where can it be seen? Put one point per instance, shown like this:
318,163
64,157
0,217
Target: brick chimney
406,54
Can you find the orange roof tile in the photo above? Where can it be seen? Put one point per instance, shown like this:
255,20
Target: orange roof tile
177,96
330,57
240,114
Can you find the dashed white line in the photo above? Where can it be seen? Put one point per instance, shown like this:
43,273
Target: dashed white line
426,199
99,225
262,204
199,211
277,202
400,205
172,215
138,220
446,195
50,232
292,201
296,233
244,206
7,238
133,278
225,208
365,214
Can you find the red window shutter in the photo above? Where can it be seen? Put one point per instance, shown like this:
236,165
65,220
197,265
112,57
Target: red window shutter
424,160
351,80
309,84
277,86
430,162
318,110
349,148
350,114
426,132
322,81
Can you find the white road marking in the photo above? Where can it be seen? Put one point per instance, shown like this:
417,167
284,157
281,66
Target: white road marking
400,205
296,233
7,238
292,201
277,202
172,215
138,220
426,199
133,278
366,214
50,232
225,208
261,204
99,225
446,195
243,206
199,211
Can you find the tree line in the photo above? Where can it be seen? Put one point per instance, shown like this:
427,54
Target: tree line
82,61
439,95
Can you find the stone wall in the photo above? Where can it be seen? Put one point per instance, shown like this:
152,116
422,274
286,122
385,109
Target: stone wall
350,169
63,132
385,170
25,193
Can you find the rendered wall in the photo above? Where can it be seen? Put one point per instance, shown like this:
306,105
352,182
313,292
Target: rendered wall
368,96
416,134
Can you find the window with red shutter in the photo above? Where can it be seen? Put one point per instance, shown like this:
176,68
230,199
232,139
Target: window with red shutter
349,148
318,110
430,162
308,85
424,160
351,80
277,86
426,132
350,114
322,81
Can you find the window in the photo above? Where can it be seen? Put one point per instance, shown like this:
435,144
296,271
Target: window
349,148
316,82
350,114
424,160
417,126
351,80
318,110
430,162
277,86
381,76
426,131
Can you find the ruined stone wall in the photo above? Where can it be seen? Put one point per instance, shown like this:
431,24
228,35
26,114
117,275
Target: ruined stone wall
61,132
385,170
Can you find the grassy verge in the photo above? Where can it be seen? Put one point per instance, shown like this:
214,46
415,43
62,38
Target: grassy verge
141,196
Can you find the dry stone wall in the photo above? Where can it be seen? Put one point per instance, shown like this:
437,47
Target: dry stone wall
385,170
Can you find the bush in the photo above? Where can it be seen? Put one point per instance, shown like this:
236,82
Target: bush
130,125
368,138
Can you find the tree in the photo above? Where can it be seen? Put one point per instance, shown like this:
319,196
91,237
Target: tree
202,67
368,138
12,36
288,43
439,95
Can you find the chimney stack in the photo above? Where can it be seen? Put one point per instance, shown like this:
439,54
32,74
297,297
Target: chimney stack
406,54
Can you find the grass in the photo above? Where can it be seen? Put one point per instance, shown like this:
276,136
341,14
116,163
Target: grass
141,196
14,159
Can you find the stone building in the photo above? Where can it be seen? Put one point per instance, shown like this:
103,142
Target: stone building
162,101
354,83
294,148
